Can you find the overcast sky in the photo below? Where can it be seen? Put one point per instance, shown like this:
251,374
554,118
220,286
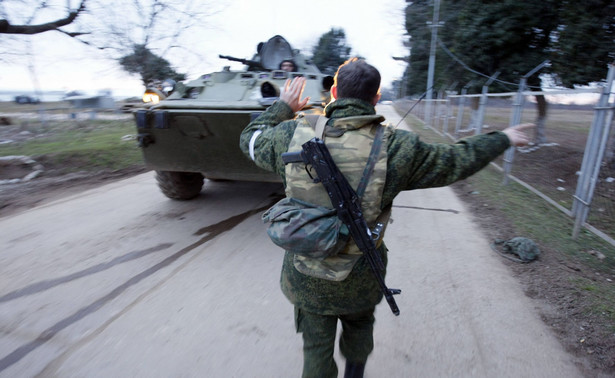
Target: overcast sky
374,30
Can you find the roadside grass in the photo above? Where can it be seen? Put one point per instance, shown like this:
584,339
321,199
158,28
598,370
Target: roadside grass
499,117
80,145
534,218
51,107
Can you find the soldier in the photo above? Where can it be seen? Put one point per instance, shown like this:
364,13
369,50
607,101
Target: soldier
288,65
341,286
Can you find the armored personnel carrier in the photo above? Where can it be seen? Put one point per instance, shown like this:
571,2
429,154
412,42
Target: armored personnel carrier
193,133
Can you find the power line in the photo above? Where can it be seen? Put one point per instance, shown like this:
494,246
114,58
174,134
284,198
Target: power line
465,66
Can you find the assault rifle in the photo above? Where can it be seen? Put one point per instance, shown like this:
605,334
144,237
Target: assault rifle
346,202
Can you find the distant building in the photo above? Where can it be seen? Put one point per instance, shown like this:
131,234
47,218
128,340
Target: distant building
24,99
81,101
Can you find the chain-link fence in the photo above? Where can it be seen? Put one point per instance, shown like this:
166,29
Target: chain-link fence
576,126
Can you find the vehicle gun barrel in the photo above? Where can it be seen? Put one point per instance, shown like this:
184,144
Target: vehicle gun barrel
251,63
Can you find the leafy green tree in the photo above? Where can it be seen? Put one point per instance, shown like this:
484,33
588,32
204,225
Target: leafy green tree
331,51
418,14
512,37
511,45
584,42
149,66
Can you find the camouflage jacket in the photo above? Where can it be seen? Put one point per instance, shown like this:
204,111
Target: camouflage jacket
412,164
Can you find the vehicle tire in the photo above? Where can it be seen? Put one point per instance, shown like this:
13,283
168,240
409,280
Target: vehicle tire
180,185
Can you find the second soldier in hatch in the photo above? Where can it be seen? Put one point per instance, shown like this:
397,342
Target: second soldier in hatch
342,287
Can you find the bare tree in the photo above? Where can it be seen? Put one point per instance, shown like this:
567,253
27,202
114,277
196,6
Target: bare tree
27,14
164,28
6,27
115,29
118,25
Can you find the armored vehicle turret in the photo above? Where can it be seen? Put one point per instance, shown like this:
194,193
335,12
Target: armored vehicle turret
193,133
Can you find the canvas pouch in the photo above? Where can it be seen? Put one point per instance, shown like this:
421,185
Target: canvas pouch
306,229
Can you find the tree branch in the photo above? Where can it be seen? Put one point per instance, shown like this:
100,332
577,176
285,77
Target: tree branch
73,34
7,28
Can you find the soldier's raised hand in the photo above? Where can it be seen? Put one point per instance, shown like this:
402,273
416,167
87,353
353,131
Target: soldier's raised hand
292,94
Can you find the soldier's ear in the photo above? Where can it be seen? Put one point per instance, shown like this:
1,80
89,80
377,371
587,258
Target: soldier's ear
376,99
334,91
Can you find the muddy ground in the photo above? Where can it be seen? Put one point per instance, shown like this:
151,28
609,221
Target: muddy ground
51,186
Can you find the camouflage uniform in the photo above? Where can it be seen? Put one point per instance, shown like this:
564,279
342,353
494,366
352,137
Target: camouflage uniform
411,164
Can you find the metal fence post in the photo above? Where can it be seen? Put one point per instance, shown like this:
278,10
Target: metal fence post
419,111
430,112
483,103
460,109
593,155
481,110
448,114
515,118
592,140
439,112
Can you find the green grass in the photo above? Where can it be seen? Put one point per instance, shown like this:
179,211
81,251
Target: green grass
80,145
533,218
601,299
539,220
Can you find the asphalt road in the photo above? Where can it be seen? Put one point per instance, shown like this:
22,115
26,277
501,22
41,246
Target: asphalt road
121,282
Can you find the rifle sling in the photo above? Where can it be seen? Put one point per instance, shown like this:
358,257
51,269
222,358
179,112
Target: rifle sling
318,123
371,161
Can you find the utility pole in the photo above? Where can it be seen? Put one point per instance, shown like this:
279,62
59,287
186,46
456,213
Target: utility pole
404,81
434,25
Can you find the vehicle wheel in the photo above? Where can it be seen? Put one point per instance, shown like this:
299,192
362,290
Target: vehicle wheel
179,185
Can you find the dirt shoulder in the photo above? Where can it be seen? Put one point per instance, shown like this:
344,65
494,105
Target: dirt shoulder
553,282
50,186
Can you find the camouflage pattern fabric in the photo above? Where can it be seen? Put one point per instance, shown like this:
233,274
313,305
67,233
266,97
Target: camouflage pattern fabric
525,248
411,164
306,229
319,333
357,293
350,141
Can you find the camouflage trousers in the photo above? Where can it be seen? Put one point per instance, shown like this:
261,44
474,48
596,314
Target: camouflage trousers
319,331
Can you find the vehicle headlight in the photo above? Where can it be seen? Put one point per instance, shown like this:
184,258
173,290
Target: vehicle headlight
151,97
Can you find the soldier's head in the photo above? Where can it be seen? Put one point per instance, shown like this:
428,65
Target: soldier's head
357,79
288,65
